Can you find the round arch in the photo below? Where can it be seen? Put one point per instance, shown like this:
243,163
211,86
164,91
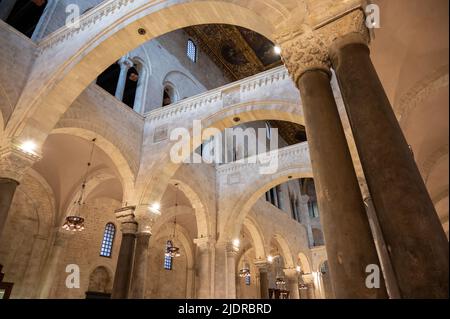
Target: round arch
245,112
126,175
304,263
251,196
285,251
257,238
97,49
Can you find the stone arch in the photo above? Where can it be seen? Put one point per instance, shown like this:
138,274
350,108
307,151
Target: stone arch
420,92
304,263
257,238
285,251
246,112
170,92
95,49
249,198
100,279
176,80
126,175
202,215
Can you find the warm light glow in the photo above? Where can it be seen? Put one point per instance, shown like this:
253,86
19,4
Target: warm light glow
270,259
155,208
28,146
277,49
299,269
236,243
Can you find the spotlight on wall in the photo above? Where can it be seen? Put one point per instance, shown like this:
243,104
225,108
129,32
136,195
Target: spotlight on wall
28,146
277,50
270,259
236,243
298,268
155,208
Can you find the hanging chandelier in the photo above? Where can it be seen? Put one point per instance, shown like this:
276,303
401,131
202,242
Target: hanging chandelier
245,271
75,222
280,281
172,250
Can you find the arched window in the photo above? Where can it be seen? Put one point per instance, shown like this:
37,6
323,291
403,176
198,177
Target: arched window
168,260
170,95
108,239
192,51
248,280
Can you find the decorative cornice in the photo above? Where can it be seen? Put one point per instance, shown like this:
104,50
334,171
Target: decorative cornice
218,95
14,162
298,151
86,21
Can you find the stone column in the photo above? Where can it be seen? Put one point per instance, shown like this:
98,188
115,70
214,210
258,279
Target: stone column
409,222
263,278
51,264
203,267
7,189
292,283
231,254
140,267
349,242
125,64
13,164
124,266
308,280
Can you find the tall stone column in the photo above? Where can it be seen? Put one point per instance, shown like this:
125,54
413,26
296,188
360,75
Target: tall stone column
140,267
13,164
125,64
417,244
349,242
51,265
7,190
122,277
203,269
292,283
263,278
231,254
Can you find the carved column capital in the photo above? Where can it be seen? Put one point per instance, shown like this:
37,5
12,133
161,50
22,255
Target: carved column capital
14,162
261,265
125,62
305,52
204,243
350,28
127,219
291,274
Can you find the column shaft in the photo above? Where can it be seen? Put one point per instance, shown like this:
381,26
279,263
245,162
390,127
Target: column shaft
7,190
124,64
124,267
417,244
264,284
140,266
349,242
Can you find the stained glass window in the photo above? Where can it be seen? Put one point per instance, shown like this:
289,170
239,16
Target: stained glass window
168,260
108,239
192,51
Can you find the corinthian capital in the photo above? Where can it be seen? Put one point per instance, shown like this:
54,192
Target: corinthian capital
351,26
305,52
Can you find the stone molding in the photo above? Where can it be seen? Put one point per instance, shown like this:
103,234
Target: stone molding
127,219
14,162
87,20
